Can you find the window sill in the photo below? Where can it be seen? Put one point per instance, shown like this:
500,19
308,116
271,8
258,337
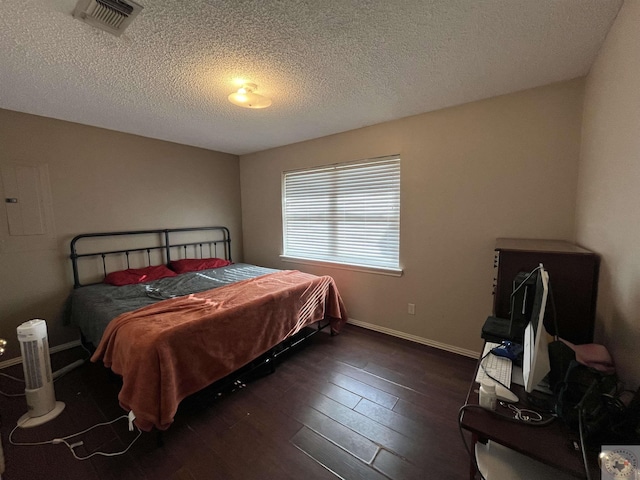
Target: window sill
393,272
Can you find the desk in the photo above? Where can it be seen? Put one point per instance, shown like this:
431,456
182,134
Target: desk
551,444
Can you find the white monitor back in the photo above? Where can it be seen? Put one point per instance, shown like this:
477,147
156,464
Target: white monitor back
535,364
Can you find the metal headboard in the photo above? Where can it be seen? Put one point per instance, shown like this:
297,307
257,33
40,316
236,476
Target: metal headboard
164,246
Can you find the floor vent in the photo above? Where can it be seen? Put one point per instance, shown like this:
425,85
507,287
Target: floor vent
113,16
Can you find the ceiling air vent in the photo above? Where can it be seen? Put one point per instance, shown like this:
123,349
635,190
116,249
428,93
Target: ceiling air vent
112,16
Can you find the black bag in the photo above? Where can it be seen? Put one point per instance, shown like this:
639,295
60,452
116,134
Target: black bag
585,392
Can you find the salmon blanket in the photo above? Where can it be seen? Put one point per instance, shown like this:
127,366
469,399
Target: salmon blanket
171,349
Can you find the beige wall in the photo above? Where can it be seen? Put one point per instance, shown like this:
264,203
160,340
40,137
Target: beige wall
100,180
608,200
506,166
503,167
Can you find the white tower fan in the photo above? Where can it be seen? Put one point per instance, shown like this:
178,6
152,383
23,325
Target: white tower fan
41,400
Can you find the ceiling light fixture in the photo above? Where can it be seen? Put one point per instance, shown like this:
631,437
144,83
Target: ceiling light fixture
247,98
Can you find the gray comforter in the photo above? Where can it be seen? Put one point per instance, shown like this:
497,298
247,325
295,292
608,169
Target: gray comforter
92,307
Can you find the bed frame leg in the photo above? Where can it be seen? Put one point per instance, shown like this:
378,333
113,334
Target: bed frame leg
271,364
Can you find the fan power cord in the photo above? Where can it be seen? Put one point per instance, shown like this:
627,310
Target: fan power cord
72,446
15,379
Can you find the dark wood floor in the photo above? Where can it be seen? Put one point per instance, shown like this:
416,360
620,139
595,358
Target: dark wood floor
361,405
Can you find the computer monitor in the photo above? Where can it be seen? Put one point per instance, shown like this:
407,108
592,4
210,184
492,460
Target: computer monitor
535,364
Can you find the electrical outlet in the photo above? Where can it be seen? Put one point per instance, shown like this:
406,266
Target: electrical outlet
411,309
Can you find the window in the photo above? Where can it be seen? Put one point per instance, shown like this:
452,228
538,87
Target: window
346,213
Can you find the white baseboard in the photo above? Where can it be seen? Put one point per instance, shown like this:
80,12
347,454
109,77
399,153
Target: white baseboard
414,338
57,348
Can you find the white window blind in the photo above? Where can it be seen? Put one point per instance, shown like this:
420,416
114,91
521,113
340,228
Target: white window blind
347,213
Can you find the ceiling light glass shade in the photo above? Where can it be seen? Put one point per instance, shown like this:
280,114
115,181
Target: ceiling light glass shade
247,98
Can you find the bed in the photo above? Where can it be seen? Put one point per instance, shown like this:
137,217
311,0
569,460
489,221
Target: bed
172,336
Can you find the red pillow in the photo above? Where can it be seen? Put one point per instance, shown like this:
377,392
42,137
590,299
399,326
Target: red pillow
195,264
138,275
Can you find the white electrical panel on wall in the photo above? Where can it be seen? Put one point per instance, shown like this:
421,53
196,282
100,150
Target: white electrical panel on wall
27,223
23,199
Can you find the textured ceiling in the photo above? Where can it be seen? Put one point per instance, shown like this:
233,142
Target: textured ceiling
328,65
